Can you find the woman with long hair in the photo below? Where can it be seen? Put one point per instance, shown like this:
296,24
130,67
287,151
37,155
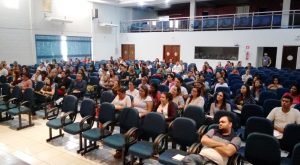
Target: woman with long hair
244,98
195,98
166,106
219,104
170,82
155,95
177,98
257,89
143,103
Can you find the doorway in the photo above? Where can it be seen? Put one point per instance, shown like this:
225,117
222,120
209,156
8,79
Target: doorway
128,51
171,53
271,51
289,57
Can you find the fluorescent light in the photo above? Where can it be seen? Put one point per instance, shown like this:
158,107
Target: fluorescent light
11,4
64,48
135,1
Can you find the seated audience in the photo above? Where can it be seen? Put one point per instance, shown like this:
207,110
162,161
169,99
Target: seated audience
78,86
144,81
155,95
37,76
218,145
244,98
220,104
246,76
121,100
177,97
177,68
295,93
143,103
26,82
3,70
166,107
195,98
284,115
64,83
275,84
170,82
221,83
131,90
257,89
179,84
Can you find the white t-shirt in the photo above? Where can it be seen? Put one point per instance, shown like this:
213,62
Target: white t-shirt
163,109
179,101
282,119
126,102
221,85
133,93
183,90
3,72
141,104
199,101
177,69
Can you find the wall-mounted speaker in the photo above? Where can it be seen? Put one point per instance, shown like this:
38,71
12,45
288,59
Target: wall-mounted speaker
95,13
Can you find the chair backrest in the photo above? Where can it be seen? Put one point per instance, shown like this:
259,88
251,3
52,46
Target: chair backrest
87,108
235,120
163,88
39,85
107,96
281,91
94,80
149,129
262,149
3,79
184,131
295,155
5,90
291,136
250,110
28,96
269,104
129,117
224,90
154,80
16,92
266,95
195,113
107,112
297,107
70,104
258,124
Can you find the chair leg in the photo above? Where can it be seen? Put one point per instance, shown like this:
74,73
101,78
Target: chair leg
80,143
50,134
92,145
131,159
20,121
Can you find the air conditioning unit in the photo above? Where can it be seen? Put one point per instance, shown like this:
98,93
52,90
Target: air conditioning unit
103,24
58,19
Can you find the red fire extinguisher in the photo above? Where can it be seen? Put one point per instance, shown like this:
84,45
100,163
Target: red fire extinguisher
247,55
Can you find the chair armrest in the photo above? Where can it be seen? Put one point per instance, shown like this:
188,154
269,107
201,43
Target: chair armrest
160,144
85,119
202,130
63,118
131,135
24,102
108,124
170,125
195,148
10,100
2,96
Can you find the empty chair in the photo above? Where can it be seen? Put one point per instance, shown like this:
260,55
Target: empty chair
144,149
87,112
69,107
291,136
269,104
129,122
196,113
184,133
281,91
295,159
262,149
266,95
106,117
250,110
107,96
11,103
24,108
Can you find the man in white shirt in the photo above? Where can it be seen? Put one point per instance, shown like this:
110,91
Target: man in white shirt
177,68
41,67
284,115
3,71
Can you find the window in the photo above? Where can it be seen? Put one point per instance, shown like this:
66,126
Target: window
217,53
61,47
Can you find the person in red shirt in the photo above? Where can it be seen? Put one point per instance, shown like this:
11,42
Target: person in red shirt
294,93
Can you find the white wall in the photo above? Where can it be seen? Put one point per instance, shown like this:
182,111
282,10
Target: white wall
150,45
15,32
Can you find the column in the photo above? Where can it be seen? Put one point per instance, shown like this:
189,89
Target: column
285,13
192,14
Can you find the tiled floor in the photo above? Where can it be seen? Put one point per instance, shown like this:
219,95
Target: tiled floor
29,146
